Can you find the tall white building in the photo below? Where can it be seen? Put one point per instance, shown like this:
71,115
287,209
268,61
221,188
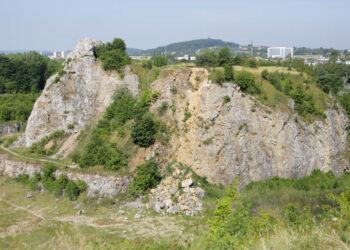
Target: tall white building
279,52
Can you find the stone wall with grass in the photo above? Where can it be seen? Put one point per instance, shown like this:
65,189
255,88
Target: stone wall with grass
97,185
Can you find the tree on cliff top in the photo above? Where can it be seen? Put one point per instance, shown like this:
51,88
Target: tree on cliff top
113,55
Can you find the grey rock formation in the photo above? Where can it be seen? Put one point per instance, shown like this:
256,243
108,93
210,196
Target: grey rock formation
224,140
79,97
174,194
97,185
11,128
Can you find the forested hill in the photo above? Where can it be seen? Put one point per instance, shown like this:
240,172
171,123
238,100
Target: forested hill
181,48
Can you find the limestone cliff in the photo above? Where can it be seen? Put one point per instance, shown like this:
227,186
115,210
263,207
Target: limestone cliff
78,97
223,140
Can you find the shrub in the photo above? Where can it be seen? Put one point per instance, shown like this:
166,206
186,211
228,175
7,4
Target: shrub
229,76
208,59
144,130
81,186
147,177
246,81
72,191
218,77
113,55
226,99
70,126
265,74
163,108
160,61
23,178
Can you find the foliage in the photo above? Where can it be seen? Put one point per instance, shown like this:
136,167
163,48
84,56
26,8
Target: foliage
236,226
39,147
218,76
251,63
246,81
229,75
207,58
72,190
159,61
163,108
144,130
304,103
227,99
26,72
146,178
113,55
16,107
224,57
265,74
330,76
275,79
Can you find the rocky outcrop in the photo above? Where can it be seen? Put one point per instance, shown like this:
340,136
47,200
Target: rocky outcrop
97,185
222,140
76,98
11,128
177,193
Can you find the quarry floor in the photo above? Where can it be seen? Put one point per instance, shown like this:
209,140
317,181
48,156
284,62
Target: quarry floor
45,220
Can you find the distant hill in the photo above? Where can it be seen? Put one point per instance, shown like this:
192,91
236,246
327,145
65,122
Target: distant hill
187,47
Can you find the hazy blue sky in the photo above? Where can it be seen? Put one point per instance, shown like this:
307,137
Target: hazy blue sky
52,25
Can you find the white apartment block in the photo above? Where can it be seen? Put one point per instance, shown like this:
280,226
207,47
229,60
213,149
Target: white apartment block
279,52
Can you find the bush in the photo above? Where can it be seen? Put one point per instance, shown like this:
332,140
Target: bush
218,77
163,108
160,61
246,81
265,74
144,130
207,59
147,177
113,55
226,99
229,76
72,191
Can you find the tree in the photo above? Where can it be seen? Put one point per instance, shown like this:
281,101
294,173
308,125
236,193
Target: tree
113,55
147,177
144,130
224,56
160,61
246,81
229,76
207,59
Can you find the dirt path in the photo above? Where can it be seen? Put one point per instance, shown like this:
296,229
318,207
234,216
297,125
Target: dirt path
23,208
27,157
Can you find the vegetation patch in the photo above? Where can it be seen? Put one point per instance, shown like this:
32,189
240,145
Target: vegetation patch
113,55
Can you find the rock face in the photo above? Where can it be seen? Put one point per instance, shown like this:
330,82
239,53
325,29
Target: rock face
11,128
108,186
238,138
78,98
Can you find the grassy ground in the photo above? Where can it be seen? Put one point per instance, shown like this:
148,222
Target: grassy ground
46,221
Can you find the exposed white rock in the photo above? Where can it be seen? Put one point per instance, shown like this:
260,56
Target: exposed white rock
97,185
222,141
80,97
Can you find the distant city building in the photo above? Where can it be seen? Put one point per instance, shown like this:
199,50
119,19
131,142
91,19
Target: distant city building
313,59
58,55
140,57
279,52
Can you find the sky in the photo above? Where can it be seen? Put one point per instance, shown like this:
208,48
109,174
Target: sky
144,24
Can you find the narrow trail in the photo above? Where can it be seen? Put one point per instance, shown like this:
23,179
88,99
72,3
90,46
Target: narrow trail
29,158
22,208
